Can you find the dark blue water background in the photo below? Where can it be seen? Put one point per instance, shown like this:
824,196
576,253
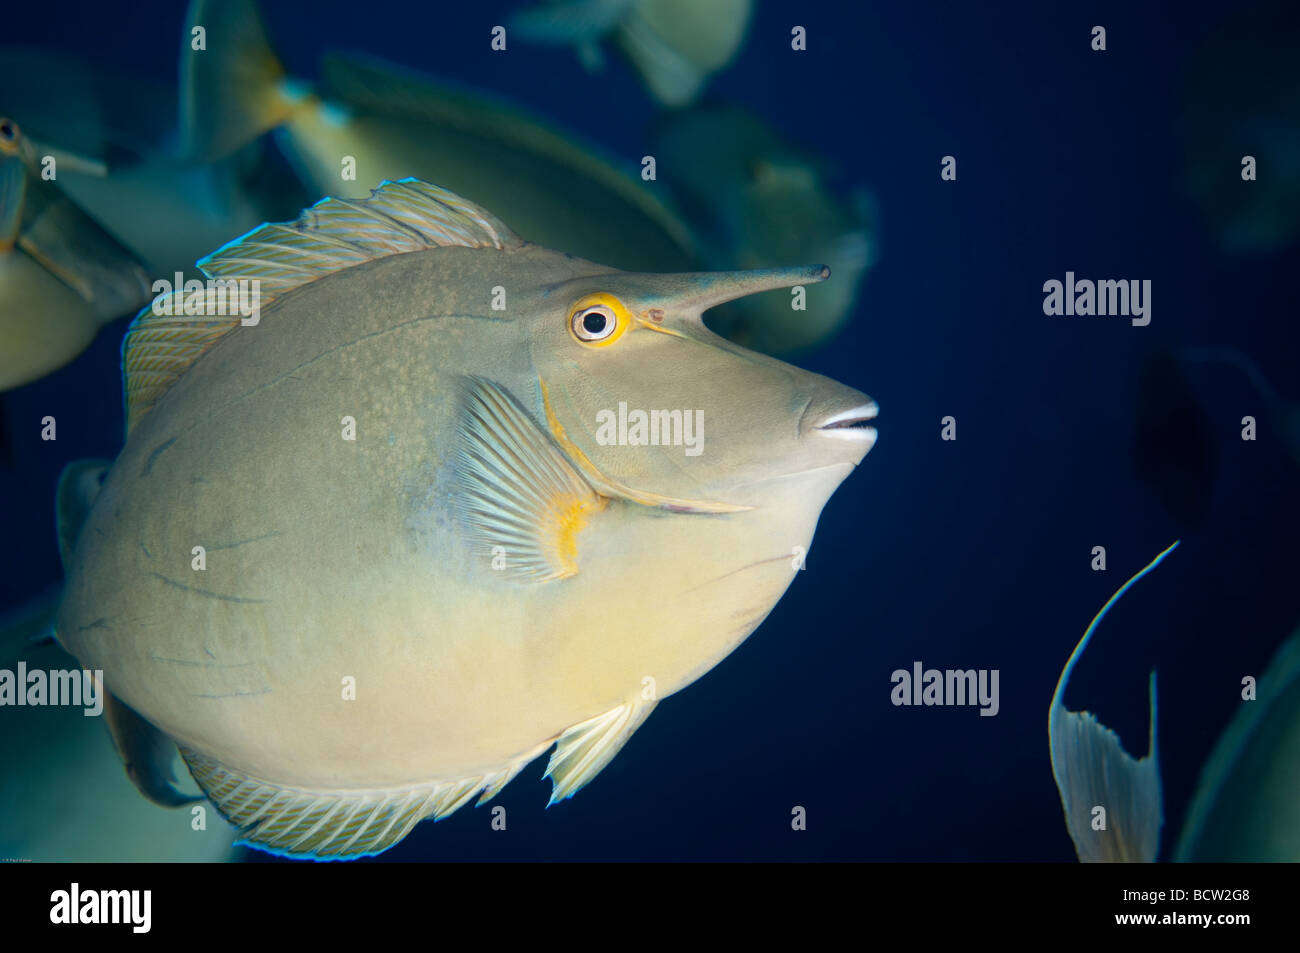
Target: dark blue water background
970,554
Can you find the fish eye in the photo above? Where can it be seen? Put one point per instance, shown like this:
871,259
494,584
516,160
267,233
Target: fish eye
8,130
599,320
595,323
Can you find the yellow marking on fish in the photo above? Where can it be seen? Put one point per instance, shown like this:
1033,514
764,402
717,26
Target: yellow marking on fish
650,322
566,518
610,487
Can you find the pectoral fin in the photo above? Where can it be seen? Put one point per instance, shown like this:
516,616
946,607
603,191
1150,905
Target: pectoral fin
521,500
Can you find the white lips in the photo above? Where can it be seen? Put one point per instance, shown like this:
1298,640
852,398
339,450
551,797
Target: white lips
842,425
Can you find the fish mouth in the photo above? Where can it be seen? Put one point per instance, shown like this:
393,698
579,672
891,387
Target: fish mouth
851,424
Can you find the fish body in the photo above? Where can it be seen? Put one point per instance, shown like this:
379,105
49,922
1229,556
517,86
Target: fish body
490,573
63,795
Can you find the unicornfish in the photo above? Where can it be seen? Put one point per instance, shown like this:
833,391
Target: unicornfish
453,500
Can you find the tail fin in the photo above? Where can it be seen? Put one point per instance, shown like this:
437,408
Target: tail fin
231,88
1093,771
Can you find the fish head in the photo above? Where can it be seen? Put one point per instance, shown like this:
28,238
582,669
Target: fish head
638,390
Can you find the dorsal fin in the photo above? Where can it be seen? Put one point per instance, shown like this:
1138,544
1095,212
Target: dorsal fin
334,234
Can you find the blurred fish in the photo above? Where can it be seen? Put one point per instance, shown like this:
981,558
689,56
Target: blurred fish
64,100
674,44
61,275
63,794
1092,770
165,206
391,123
1247,805
756,200
1245,808
1243,98
1173,450
505,558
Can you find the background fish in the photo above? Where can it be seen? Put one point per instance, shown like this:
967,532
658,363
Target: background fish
555,187
63,794
166,206
495,570
61,275
1242,97
674,44
1245,808
755,200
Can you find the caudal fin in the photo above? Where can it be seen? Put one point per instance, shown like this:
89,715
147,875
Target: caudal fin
231,89
1113,803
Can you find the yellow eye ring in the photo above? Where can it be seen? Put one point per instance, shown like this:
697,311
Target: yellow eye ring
598,320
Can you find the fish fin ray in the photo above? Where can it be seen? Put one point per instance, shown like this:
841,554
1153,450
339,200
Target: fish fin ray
333,825
521,494
585,749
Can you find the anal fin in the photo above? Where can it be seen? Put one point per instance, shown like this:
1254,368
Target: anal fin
583,750
334,825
